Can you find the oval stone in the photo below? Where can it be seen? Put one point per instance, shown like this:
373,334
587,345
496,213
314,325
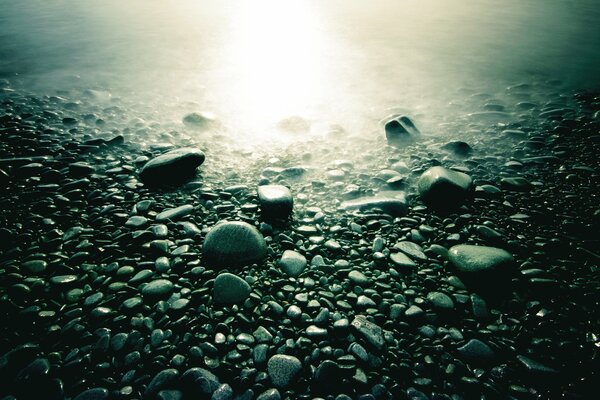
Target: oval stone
233,244
172,167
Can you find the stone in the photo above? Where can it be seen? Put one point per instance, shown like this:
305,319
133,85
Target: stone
400,128
172,167
158,288
482,266
233,244
535,367
93,394
413,250
292,263
160,381
275,201
370,332
515,184
402,260
443,188
477,352
230,289
458,148
283,370
200,382
358,278
201,120
440,301
394,204
174,213
269,394
34,266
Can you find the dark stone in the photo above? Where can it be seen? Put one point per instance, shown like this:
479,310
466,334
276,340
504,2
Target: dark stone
233,244
175,166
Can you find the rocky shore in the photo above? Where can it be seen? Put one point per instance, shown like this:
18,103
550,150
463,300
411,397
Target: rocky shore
138,262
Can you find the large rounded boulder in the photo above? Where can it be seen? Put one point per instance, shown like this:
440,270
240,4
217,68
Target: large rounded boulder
233,244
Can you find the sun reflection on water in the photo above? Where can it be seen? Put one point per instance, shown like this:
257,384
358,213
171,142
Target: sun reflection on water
275,61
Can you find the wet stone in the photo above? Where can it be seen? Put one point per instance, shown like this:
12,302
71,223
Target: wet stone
275,200
477,352
394,204
233,244
292,263
158,288
229,288
443,188
369,331
482,265
34,266
174,213
172,167
283,370
440,301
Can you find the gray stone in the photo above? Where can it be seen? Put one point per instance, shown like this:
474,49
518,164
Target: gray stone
269,394
443,188
370,332
393,203
172,167
283,370
292,263
175,213
400,128
158,288
481,265
440,301
275,200
230,288
477,352
233,244
160,381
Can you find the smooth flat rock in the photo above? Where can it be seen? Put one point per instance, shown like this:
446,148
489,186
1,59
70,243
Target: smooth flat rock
370,332
230,289
159,287
275,200
394,205
233,244
443,188
174,213
402,260
292,263
283,370
172,167
481,265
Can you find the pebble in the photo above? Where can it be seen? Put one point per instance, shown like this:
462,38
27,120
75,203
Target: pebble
158,288
369,331
482,265
443,188
477,352
230,288
283,370
395,205
292,263
174,213
275,200
172,167
233,244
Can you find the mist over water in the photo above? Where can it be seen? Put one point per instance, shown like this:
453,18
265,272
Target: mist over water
254,63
